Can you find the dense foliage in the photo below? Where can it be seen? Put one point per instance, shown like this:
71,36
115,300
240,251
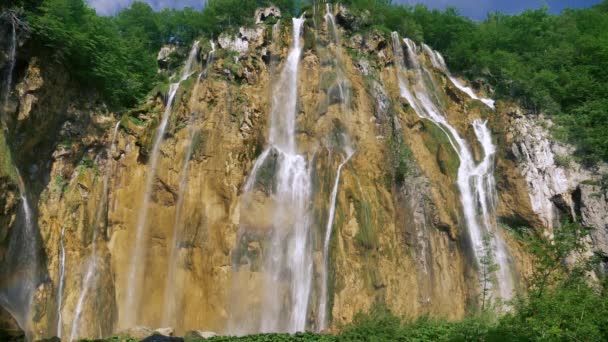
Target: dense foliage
557,64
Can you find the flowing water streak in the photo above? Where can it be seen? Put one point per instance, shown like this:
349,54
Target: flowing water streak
330,20
322,314
88,282
439,62
172,295
475,181
61,280
137,263
12,55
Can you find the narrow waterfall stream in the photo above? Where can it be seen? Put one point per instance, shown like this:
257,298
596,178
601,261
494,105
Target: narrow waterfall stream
475,180
61,286
137,264
12,56
439,62
89,281
20,271
322,314
334,35
173,288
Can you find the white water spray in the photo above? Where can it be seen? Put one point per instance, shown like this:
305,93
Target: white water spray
475,180
137,264
88,283
322,314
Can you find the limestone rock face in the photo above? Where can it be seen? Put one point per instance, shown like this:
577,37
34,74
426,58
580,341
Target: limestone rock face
559,187
399,233
163,55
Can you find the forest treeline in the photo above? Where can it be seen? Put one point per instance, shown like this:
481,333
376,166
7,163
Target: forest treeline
555,64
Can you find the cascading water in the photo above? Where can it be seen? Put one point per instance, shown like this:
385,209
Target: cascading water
288,259
475,180
173,295
439,62
322,314
330,21
61,280
137,265
89,281
12,55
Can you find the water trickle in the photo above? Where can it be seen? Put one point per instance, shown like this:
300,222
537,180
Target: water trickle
173,294
334,34
137,262
439,62
89,281
20,273
322,314
12,55
475,180
61,281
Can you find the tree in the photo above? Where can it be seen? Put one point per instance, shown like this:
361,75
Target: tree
487,268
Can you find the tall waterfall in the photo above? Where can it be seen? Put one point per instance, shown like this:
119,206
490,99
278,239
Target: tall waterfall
173,284
288,260
475,180
137,263
322,314
12,55
89,281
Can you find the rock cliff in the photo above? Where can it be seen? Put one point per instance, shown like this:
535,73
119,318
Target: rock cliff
399,233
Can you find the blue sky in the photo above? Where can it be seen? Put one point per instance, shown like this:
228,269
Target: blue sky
476,9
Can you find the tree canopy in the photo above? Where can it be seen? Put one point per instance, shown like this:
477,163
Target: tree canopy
556,64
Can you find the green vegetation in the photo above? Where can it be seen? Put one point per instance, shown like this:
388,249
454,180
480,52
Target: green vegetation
116,55
556,64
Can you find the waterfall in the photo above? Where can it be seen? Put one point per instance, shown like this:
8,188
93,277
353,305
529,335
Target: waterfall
91,265
330,20
288,259
321,318
439,62
172,295
137,263
208,63
61,280
12,55
475,180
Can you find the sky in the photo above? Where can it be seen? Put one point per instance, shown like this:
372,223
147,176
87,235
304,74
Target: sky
475,9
